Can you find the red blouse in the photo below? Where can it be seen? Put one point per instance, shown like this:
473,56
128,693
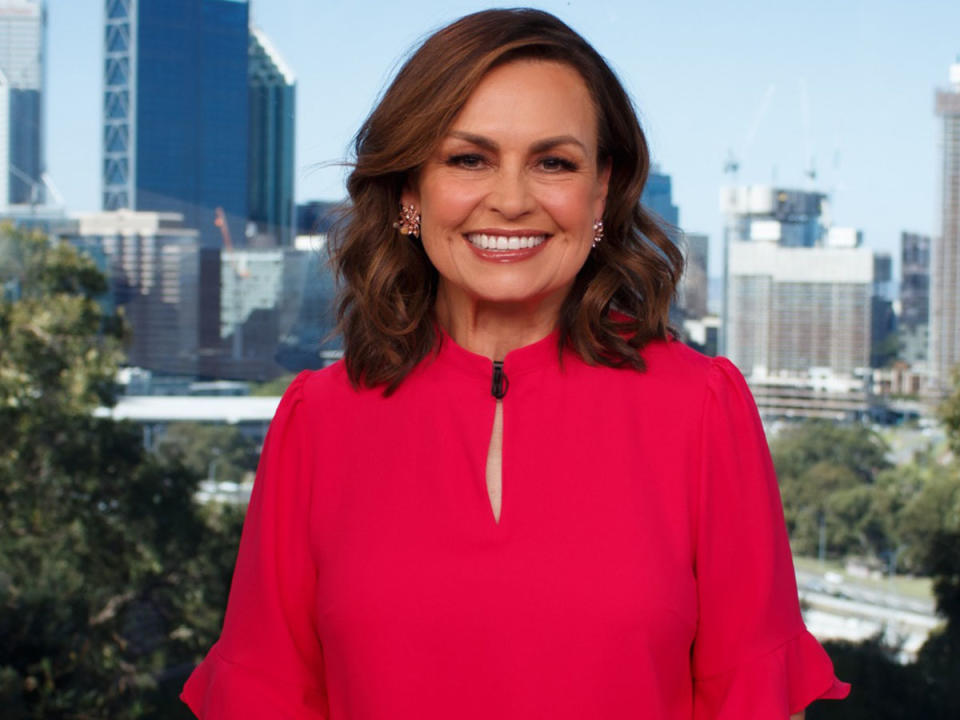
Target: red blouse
640,567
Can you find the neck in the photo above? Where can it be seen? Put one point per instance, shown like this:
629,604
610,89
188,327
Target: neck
493,329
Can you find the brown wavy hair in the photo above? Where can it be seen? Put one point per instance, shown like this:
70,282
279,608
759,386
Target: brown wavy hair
620,299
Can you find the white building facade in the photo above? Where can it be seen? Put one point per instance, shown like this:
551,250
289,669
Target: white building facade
797,308
944,353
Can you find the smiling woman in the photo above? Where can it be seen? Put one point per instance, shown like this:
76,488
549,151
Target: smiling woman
510,197
518,495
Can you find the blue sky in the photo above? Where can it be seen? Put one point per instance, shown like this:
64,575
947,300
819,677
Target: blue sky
698,72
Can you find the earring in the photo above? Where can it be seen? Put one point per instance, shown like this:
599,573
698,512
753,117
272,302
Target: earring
597,232
409,222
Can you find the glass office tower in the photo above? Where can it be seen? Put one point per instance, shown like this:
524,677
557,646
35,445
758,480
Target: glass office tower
22,60
271,172
175,110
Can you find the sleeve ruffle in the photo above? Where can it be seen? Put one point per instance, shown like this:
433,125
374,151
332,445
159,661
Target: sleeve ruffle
777,684
222,690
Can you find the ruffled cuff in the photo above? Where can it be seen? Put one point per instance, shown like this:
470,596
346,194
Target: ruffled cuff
775,685
222,690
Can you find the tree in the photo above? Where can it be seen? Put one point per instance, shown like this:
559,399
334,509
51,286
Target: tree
828,478
112,579
939,658
273,388
881,688
949,412
855,447
219,452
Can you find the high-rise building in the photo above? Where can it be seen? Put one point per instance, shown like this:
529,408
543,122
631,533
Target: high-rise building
312,342
152,264
763,213
271,166
658,197
260,297
944,352
317,217
22,71
766,214
883,318
693,285
797,308
176,110
914,280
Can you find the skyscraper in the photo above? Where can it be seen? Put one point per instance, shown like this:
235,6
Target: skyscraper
914,280
794,308
175,110
22,69
914,328
271,168
693,285
658,197
945,286
152,264
763,213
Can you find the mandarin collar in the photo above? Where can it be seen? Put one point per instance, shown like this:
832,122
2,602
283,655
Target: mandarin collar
538,355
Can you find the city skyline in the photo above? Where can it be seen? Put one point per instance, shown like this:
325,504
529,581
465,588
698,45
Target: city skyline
868,72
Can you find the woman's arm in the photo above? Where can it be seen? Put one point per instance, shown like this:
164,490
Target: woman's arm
798,716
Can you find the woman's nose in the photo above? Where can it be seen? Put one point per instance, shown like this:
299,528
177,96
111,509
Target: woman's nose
510,194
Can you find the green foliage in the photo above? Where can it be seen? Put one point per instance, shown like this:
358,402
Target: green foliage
881,688
220,452
854,447
273,388
829,473
949,412
112,580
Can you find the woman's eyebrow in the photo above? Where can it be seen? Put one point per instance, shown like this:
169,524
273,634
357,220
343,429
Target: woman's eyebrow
552,142
538,147
478,140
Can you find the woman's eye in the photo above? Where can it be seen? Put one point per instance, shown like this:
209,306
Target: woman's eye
470,161
555,164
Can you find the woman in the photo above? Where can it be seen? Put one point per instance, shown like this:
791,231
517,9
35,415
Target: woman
517,496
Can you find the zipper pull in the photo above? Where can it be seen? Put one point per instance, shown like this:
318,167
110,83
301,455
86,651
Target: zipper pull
500,383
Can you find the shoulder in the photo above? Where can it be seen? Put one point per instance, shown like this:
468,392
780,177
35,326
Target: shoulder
320,387
676,369
679,379
328,394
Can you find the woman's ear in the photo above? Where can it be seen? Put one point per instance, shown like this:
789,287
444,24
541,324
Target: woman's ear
603,180
410,195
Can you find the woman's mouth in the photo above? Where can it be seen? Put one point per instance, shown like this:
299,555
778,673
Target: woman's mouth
495,247
505,242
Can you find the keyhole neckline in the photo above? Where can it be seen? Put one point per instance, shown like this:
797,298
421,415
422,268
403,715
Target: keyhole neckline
538,355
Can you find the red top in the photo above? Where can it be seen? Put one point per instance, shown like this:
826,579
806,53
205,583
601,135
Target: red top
640,567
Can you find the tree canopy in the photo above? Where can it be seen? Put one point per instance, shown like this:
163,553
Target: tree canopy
112,580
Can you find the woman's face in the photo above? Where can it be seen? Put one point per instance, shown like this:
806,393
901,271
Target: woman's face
509,197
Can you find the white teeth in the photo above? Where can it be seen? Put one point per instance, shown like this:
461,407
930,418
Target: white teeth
503,242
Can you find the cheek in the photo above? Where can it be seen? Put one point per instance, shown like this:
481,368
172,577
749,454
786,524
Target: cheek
447,205
571,207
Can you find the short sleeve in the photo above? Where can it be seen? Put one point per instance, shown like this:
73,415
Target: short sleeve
268,661
752,655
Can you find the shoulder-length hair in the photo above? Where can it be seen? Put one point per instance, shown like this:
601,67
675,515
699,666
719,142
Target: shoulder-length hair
620,298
